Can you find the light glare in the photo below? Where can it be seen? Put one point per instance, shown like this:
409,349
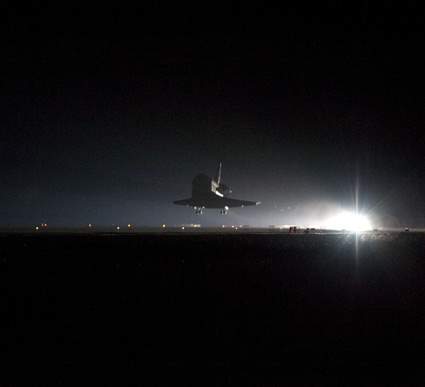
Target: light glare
350,221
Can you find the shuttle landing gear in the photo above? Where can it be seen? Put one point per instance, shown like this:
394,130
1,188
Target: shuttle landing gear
224,211
198,210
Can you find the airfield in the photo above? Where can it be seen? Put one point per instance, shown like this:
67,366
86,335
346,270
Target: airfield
221,305
184,229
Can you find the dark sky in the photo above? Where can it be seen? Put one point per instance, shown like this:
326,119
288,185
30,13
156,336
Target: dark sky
106,115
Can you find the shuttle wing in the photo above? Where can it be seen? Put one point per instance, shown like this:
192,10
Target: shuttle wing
185,202
215,201
229,202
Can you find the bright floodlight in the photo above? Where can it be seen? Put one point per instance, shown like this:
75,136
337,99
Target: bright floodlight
349,221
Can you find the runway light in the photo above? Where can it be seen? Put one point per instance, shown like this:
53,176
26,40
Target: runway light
350,221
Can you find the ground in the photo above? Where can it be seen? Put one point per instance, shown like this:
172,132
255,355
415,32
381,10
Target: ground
227,308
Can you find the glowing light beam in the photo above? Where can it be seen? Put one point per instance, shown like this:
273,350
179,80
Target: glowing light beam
350,221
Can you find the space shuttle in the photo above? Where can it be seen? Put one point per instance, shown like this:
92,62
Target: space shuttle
210,192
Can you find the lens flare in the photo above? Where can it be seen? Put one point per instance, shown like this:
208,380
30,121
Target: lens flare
350,221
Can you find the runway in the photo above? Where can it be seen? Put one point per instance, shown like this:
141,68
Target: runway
287,304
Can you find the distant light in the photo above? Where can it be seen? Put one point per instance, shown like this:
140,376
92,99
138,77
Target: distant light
350,221
118,227
36,227
163,226
129,225
183,228
90,225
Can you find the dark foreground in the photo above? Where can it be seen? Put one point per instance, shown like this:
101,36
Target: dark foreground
213,309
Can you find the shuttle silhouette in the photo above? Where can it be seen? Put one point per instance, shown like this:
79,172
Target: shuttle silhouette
211,193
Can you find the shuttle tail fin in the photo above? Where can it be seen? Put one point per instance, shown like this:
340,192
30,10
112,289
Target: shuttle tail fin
218,174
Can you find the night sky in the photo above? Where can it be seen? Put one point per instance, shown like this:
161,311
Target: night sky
107,115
